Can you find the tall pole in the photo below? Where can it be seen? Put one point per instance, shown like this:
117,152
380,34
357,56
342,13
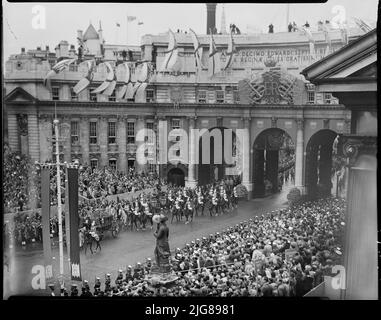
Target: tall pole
59,205
127,31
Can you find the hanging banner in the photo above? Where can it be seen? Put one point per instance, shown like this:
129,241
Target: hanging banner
67,217
72,177
45,214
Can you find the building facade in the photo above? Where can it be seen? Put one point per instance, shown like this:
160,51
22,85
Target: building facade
261,93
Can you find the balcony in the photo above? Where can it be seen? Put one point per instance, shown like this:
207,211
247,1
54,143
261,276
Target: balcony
94,148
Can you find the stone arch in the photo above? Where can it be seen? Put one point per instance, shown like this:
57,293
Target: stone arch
176,176
266,165
318,169
216,164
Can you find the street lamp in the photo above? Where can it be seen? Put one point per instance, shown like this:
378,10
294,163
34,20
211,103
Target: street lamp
59,205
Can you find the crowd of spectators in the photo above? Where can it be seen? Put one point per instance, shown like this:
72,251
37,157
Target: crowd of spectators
281,253
22,182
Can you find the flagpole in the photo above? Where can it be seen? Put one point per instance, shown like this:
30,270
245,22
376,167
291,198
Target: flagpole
127,32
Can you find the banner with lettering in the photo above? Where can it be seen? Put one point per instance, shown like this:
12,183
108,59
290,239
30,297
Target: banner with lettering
72,177
45,214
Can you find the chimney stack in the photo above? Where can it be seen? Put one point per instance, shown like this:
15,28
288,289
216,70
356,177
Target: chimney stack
211,17
22,50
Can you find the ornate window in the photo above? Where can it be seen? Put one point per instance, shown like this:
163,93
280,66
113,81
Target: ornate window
201,96
93,163
74,97
74,132
150,95
111,132
175,124
112,164
220,96
130,132
55,93
93,96
93,132
327,98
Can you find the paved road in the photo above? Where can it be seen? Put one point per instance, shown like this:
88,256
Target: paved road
131,247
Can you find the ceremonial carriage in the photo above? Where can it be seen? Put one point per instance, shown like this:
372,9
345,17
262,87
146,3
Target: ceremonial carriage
108,224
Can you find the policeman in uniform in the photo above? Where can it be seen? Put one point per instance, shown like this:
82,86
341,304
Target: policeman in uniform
108,282
119,278
74,290
97,285
129,274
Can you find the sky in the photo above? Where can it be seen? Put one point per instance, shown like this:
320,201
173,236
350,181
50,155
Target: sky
64,19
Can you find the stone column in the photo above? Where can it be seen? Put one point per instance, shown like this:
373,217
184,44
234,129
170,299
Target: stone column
360,251
299,155
192,182
103,141
45,127
65,130
121,138
163,145
13,133
33,137
84,139
22,123
140,125
245,152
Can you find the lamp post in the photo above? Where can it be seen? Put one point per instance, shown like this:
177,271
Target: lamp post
59,204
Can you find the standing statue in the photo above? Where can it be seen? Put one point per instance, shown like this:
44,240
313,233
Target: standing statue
162,251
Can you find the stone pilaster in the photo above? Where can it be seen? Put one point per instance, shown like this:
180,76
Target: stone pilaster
103,140
163,144
245,154
360,251
192,140
299,155
84,131
139,128
13,133
65,129
121,138
45,124
33,137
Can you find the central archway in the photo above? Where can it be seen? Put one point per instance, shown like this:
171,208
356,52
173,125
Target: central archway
176,177
215,168
274,161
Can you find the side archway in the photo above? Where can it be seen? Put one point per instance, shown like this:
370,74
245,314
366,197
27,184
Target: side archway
176,176
319,157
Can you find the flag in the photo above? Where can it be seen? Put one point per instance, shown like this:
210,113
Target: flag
118,24
45,213
131,18
140,23
72,176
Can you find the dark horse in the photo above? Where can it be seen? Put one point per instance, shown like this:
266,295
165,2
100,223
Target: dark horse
89,239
